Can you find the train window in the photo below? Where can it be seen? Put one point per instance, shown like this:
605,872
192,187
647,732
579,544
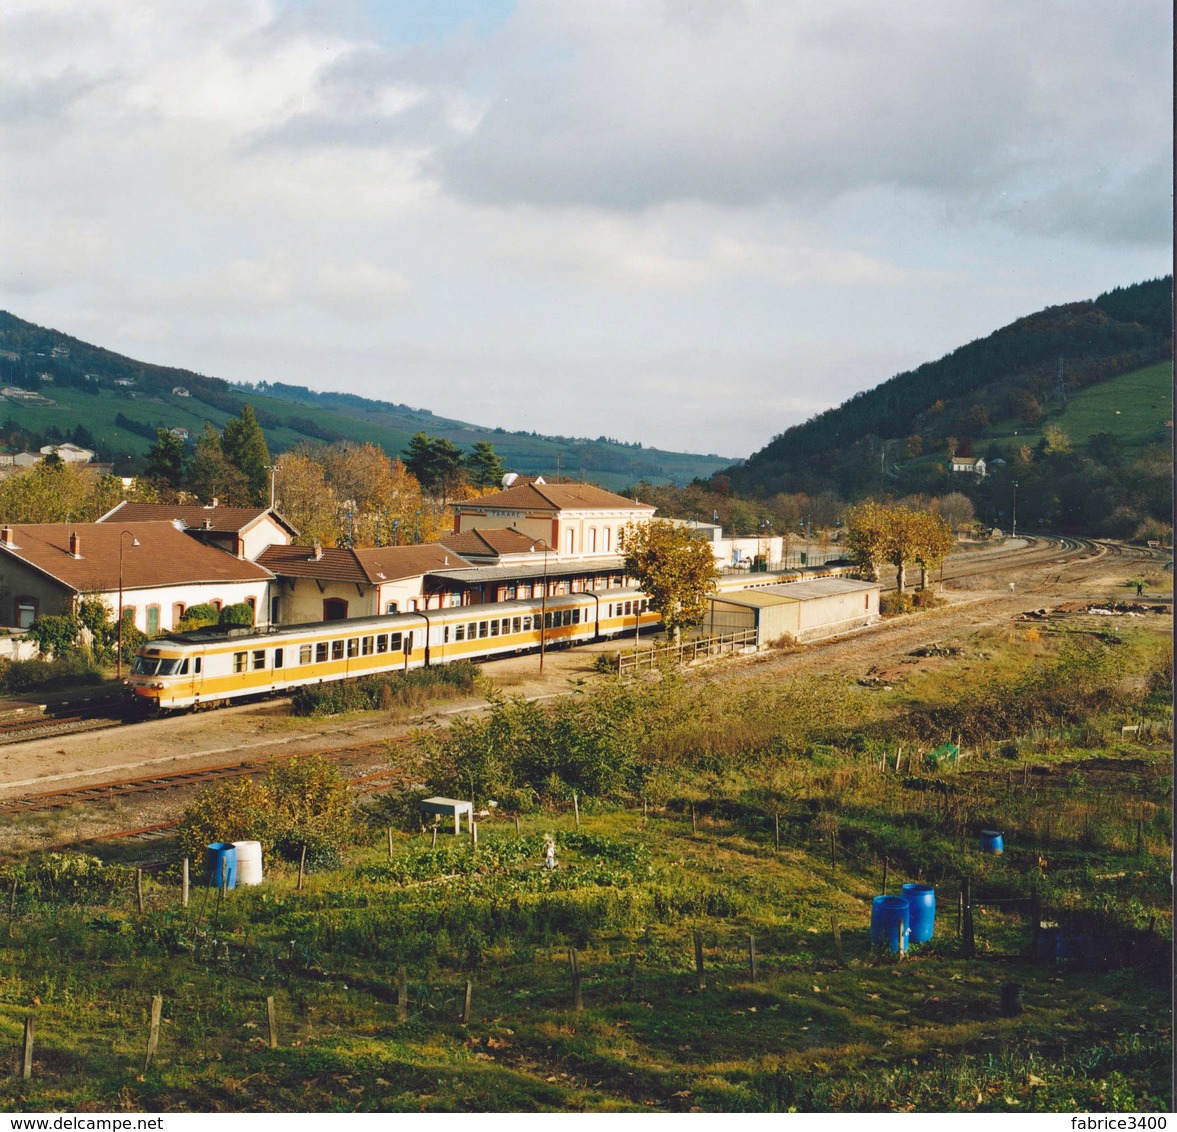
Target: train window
168,667
568,616
336,650
494,628
525,627
576,617
259,659
304,654
353,646
481,629
547,620
366,646
472,630
445,635
184,668
196,665
277,658
394,642
515,623
240,660
459,632
627,610
320,652
382,642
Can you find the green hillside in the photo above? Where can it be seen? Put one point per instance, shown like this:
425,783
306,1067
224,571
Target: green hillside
78,384
984,392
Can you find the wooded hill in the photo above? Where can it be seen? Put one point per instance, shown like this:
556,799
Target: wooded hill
80,383
961,401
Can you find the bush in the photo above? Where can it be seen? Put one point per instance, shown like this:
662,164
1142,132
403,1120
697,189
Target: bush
239,614
24,675
394,689
894,605
56,634
198,616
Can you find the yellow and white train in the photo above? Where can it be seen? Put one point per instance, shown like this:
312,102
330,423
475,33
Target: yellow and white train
208,667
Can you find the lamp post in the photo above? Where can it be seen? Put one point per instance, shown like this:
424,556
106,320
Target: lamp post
396,526
1014,524
119,656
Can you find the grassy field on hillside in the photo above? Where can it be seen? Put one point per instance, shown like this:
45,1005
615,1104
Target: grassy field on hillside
1135,406
761,819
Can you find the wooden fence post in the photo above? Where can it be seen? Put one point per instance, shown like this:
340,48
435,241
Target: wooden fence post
153,1030
433,842
694,822
699,959
752,966
272,1021
390,843
26,1059
967,938
474,835
776,823
1035,921
11,905
1139,837
574,966
836,928
466,1002
139,889
833,846
517,833
402,995
884,876
184,884
302,866
576,808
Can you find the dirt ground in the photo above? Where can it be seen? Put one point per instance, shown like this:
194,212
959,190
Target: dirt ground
256,731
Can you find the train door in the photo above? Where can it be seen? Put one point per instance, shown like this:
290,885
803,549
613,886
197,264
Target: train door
277,673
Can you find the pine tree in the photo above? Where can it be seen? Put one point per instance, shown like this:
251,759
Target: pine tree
244,446
483,465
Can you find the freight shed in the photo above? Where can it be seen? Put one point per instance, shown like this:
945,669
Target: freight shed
805,611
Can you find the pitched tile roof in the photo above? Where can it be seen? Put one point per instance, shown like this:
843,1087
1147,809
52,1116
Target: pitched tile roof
192,515
388,563
165,556
370,566
334,564
484,543
554,497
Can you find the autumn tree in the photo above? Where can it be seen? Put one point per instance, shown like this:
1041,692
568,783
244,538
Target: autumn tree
878,534
933,542
211,475
867,539
674,567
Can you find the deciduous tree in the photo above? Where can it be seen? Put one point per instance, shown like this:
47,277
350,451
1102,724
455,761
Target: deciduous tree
674,567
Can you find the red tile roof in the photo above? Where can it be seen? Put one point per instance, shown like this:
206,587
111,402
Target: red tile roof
482,543
554,497
192,515
388,563
164,556
335,563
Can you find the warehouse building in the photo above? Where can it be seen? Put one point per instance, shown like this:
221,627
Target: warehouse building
804,611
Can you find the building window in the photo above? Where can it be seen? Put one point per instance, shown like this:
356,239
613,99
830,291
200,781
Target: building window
570,542
26,611
334,609
153,620
592,540
606,539
177,613
391,607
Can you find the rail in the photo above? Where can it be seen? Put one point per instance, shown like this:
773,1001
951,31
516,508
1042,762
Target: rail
683,652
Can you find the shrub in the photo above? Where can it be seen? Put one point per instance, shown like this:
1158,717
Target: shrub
239,614
240,810
56,634
394,689
893,605
198,616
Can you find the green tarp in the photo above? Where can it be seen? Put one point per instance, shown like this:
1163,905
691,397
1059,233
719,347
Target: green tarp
947,753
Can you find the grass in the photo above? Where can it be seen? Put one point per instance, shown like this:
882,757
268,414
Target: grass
813,1034
1135,406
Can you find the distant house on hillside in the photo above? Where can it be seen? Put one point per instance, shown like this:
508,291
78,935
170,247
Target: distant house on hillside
68,453
968,464
180,391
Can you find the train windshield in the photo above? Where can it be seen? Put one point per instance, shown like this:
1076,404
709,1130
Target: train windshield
154,666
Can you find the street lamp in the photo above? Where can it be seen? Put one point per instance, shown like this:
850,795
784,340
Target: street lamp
119,657
1014,524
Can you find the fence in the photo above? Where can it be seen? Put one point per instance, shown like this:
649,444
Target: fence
684,652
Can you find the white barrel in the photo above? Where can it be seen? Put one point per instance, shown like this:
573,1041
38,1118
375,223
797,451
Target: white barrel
249,862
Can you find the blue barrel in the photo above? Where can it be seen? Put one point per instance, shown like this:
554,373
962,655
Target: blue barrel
889,920
220,865
991,842
922,899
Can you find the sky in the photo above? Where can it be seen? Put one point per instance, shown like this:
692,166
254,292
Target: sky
689,223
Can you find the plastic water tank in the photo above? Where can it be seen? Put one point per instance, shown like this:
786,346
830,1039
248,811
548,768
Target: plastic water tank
991,841
890,917
922,900
220,865
249,862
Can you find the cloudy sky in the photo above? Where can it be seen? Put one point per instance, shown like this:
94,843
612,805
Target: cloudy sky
686,222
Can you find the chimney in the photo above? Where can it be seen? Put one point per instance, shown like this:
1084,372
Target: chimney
6,538
75,545
208,524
